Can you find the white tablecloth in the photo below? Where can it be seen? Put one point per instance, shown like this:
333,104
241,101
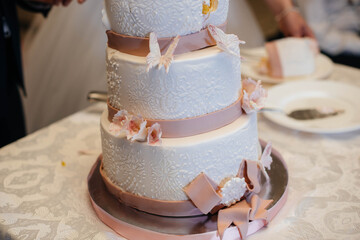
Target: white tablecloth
43,190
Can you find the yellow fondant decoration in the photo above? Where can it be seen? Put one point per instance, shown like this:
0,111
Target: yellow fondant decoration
207,9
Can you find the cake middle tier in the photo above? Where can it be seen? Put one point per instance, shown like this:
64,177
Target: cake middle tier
197,83
162,171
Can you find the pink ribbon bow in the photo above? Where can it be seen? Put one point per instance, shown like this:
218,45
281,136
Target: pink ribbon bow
241,213
203,193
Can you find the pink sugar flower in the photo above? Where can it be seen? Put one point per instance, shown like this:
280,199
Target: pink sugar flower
140,134
154,134
120,117
135,128
118,125
254,96
133,125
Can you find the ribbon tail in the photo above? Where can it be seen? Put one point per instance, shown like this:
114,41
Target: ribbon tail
239,215
243,230
243,224
258,206
250,171
223,223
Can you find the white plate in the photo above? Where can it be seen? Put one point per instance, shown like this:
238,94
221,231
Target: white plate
324,67
308,94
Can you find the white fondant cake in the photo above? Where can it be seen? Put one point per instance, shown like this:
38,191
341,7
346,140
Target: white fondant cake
198,88
197,83
161,171
165,18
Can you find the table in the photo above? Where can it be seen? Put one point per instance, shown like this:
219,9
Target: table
43,190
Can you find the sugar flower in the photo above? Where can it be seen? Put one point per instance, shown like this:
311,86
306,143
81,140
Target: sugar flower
120,117
119,121
133,125
254,96
140,134
154,134
135,128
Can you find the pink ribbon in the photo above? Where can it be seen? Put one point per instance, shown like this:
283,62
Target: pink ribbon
203,193
250,171
139,46
241,213
192,126
237,214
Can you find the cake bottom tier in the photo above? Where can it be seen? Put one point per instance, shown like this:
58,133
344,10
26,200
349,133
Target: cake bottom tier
162,171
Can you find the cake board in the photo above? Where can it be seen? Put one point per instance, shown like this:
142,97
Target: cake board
134,224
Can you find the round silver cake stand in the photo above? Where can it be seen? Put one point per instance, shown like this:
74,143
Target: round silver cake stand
134,224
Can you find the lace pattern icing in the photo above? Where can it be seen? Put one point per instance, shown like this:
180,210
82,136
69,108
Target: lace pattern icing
165,18
191,88
161,172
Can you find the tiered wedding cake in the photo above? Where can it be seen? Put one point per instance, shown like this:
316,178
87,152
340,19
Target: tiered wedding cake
178,112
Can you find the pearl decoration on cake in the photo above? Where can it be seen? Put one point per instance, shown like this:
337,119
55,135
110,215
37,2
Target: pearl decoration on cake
233,190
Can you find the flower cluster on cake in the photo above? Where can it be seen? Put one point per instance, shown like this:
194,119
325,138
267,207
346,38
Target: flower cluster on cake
179,136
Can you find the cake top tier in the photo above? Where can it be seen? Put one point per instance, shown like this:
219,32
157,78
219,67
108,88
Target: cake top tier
167,18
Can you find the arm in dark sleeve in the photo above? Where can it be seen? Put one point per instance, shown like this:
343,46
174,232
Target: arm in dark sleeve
34,6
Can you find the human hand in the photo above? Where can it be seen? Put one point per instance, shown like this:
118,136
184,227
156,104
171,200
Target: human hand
58,2
294,25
